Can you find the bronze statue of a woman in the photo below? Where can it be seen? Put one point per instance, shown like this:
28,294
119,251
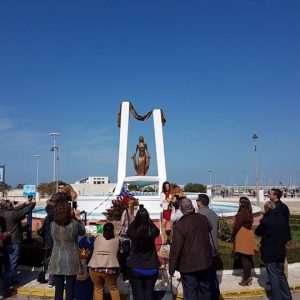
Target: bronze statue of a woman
141,165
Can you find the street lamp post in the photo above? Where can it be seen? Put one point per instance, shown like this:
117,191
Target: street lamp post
54,149
255,137
210,174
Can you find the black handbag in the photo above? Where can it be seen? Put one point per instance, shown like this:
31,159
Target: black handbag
125,243
124,250
124,247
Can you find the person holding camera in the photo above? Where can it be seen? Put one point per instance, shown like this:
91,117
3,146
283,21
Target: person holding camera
12,218
104,265
143,261
65,263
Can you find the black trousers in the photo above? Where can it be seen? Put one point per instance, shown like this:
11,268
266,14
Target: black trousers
247,263
214,283
142,285
59,281
197,285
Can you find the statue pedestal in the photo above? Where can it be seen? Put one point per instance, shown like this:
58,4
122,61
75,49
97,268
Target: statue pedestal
142,180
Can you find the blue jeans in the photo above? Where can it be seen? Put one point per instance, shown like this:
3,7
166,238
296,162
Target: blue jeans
13,252
278,281
197,285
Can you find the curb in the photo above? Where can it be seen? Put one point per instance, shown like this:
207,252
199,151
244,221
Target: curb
225,294
231,294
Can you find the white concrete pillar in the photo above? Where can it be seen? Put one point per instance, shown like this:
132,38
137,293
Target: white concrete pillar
123,146
160,150
261,196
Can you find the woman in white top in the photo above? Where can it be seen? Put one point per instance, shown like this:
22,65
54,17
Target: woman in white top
104,263
165,199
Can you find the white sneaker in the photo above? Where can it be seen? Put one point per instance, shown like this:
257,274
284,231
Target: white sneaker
50,286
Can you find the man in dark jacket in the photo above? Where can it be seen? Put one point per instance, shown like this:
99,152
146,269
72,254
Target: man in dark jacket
202,203
12,217
274,234
190,252
275,196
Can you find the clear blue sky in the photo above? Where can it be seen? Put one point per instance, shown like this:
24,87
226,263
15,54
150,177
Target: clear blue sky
221,70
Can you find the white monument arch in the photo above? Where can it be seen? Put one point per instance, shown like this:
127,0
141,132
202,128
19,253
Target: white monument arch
123,149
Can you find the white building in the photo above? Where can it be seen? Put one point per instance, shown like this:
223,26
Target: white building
93,180
94,185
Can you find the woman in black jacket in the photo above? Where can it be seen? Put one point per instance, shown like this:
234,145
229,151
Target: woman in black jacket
143,261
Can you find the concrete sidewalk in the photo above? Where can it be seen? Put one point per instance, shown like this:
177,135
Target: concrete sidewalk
229,279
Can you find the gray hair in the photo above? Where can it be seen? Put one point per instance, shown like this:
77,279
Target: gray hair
186,206
269,205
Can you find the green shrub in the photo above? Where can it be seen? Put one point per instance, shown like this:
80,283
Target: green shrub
226,260
293,255
225,229
295,235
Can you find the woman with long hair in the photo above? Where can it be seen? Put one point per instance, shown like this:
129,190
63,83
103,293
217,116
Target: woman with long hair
127,218
69,190
128,215
165,203
65,262
244,241
104,264
143,261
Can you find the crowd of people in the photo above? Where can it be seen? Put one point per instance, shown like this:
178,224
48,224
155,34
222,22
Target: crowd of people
11,237
192,245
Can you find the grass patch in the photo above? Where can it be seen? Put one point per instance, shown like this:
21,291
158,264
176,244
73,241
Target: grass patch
226,260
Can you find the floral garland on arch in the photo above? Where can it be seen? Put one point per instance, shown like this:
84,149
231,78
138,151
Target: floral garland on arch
114,213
